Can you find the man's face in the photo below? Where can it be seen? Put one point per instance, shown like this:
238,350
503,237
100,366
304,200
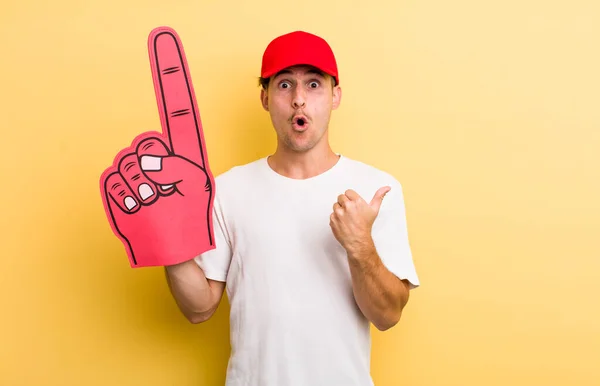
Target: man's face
300,100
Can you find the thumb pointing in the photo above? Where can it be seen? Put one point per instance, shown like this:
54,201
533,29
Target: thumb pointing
378,197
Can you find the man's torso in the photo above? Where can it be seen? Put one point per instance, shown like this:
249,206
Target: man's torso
294,320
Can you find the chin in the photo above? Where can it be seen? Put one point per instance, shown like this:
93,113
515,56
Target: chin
298,146
301,141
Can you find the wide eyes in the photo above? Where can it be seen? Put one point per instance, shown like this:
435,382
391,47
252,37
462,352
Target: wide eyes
286,85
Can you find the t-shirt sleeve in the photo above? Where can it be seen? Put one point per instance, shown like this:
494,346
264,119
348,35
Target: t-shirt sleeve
215,263
390,236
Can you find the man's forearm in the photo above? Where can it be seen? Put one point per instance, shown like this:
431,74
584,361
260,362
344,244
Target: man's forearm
192,291
379,293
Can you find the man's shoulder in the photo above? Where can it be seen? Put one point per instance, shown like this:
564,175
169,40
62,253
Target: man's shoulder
368,172
366,179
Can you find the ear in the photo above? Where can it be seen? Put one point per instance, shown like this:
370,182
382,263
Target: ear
337,97
264,99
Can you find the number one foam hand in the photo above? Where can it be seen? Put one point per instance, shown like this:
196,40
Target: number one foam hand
158,194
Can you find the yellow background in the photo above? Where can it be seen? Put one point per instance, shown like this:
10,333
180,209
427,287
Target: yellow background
487,112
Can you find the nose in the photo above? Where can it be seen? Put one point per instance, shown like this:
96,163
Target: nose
298,99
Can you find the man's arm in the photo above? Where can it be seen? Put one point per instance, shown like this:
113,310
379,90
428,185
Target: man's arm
380,295
377,288
196,296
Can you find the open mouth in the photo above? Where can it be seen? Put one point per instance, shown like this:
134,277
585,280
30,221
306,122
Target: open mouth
300,121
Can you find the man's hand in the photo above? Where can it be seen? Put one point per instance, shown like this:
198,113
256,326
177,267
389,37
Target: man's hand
352,219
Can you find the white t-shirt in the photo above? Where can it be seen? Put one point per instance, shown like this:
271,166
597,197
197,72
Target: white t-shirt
293,317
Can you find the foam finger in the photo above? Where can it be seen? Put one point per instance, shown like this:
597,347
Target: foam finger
150,152
175,96
144,190
120,194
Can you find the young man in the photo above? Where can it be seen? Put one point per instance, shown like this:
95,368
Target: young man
312,246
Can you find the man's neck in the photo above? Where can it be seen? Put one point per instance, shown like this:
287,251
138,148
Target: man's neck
302,165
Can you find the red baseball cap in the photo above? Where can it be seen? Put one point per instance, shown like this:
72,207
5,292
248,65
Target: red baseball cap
298,48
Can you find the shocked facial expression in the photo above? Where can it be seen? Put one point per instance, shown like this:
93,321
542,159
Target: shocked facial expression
300,100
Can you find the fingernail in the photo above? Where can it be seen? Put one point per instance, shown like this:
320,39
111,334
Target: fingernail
165,187
145,191
150,163
130,202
